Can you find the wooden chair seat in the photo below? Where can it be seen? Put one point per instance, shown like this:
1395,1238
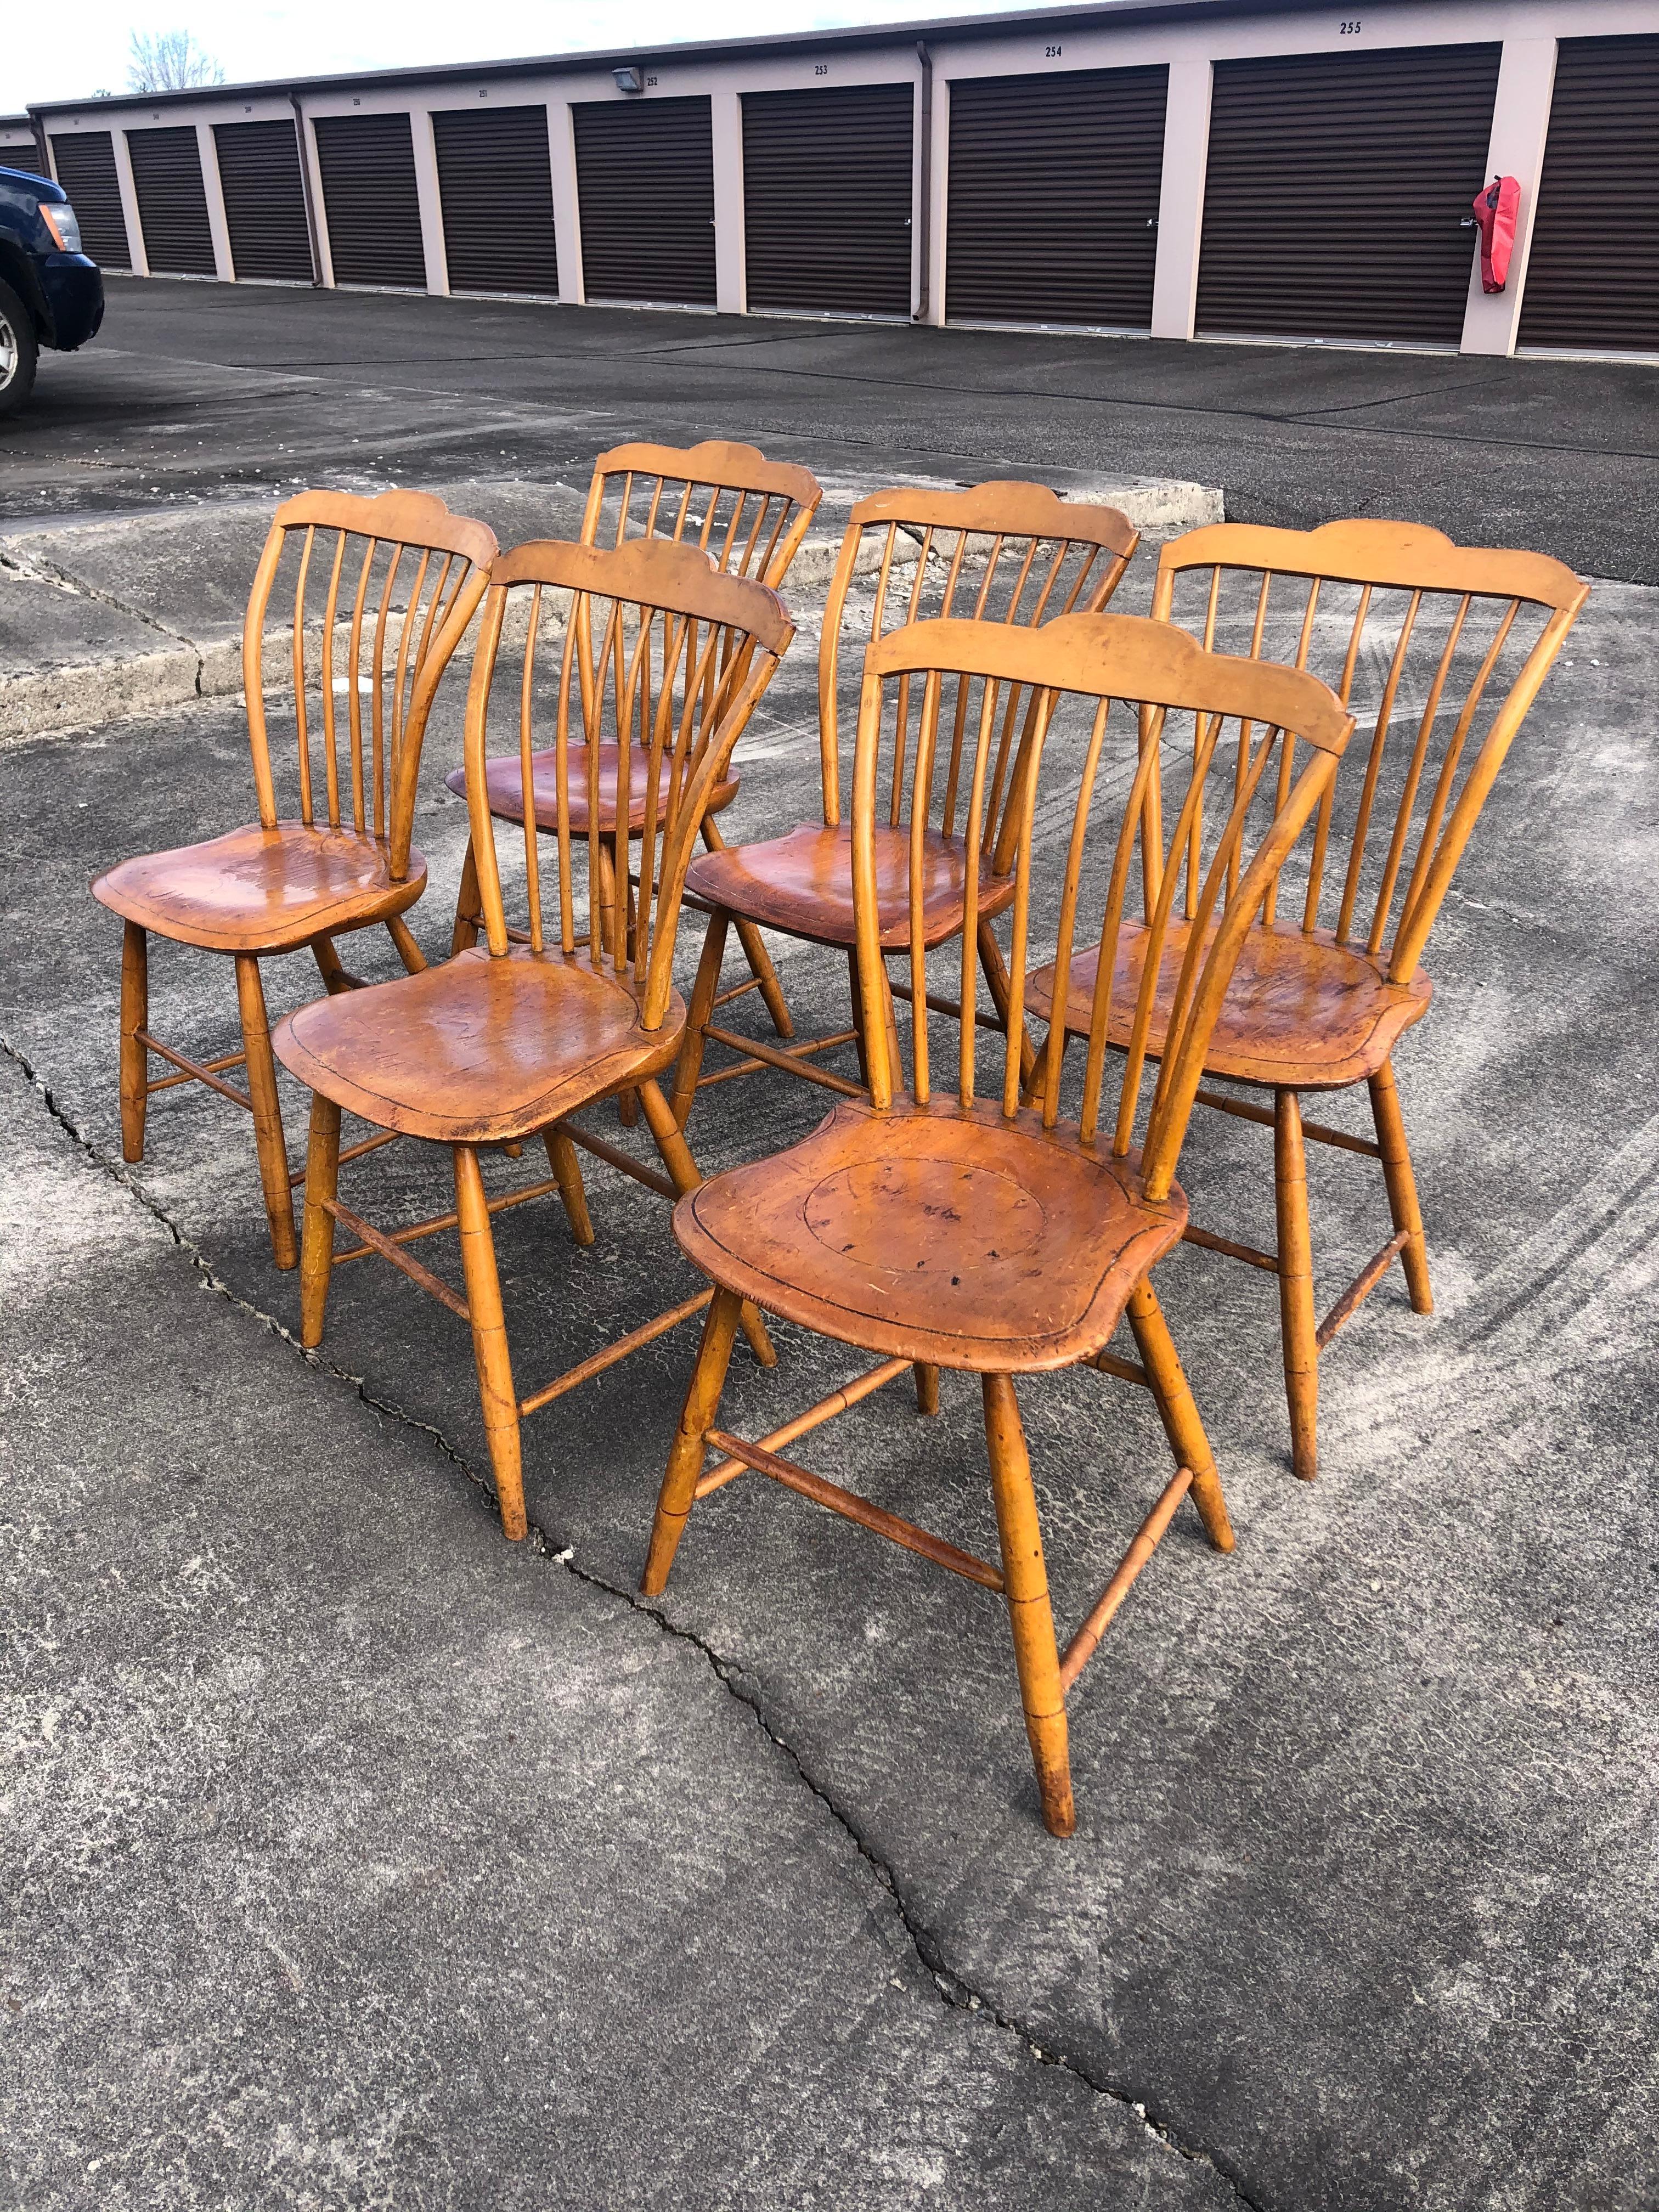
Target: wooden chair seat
257,890
803,884
1301,1009
937,1233
480,1050
504,785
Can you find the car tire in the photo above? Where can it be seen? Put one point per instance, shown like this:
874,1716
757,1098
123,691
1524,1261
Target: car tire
18,351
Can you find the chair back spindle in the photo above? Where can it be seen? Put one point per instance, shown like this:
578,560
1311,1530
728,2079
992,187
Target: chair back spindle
1439,649
411,574
1009,553
748,515
1152,723
681,654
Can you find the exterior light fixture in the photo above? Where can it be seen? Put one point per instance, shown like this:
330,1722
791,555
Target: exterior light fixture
628,80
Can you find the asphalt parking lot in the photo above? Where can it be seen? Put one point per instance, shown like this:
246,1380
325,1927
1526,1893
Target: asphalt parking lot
355,1858
190,389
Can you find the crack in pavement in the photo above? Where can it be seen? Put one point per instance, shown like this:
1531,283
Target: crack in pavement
953,1991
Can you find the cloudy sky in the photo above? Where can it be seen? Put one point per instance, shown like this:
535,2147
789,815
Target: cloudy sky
68,52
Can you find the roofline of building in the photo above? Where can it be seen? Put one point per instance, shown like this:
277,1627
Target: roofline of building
1094,14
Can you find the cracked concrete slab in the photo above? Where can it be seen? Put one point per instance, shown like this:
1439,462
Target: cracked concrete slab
1363,1907
120,617
352,1859
103,621
67,661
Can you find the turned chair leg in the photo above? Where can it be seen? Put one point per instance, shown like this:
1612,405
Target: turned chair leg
267,1112
679,1482
754,949
889,1015
468,906
317,1248
1296,1284
607,898
402,937
135,1060
677,1158
1025,1584
699,1014
1402,1187
858,1015
496,1395
1034,1088
562,1158
996,978
330,966
927,1388
1173,1396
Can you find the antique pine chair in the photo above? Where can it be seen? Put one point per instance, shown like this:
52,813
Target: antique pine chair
1011,553
1446,647
752,515
937,1228
508,1040
411,574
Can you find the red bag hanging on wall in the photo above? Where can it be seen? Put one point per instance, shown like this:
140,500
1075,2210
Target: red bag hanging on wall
1495,209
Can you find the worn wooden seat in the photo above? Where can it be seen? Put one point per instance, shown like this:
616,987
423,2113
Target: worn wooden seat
480,1050
750,515
962,1239
1301,1010
412,576
508,1041
262,890
1443,647
935,1228
504,786
802,885
1008,553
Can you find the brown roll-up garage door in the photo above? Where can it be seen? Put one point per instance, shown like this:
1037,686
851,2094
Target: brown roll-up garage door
496,179
1593,276
645,180
1054,193
826,198
167,175
85,163
1336,190
265,200
374,209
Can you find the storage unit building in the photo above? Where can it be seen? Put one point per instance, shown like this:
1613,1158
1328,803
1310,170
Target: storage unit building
645,181
1337,198
372,200
167,175
84,162
1055,185
1592,283
826,190
1229,169
496,181
265,200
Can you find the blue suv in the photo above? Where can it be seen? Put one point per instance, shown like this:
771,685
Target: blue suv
51,295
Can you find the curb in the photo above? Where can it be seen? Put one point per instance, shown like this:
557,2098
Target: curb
79,697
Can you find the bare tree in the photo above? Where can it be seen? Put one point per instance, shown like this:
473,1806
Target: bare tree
169,61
